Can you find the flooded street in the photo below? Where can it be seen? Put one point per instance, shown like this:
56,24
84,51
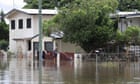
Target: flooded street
23,71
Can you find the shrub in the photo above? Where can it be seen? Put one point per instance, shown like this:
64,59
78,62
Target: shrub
3,44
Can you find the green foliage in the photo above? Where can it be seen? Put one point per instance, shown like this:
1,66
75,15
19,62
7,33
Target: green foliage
49,26
128,5
131,35
87,23
120,38
47,4
2,16
3,44
4,32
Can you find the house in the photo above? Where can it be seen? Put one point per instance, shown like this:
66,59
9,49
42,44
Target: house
126,19
24,30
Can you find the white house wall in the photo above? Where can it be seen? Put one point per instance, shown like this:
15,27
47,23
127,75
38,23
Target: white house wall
21,46
48,39
122,24
25,32
136,22
35,25
126,22
19,33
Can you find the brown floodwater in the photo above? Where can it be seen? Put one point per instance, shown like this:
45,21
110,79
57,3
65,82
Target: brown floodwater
24,71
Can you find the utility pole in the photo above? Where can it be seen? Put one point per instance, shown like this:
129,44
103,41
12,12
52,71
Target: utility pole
13,4
40,40
97,79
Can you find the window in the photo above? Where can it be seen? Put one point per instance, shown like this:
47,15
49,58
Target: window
28,23
20,23
49,46
12,24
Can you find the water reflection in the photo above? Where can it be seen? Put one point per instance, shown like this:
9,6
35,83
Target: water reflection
23,71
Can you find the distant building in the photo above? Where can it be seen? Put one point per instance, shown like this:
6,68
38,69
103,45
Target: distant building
125,20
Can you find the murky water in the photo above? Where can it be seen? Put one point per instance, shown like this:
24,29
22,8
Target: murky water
23,71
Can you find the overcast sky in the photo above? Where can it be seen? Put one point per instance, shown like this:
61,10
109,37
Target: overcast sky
7,5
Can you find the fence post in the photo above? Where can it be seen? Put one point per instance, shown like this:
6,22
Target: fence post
58,59
75,58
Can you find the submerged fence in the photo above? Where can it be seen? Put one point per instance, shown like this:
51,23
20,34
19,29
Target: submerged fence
111,56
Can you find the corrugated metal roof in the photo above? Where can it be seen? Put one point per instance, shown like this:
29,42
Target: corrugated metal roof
127,13
57,35
124,14
36,11
33,11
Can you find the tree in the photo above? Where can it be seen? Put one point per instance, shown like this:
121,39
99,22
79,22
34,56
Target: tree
49,26
47,4
87,23
2,16
128,5
131,35
128,37
124,5
4,32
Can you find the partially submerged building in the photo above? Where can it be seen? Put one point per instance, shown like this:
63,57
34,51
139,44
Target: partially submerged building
125,20
24,33
24,30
